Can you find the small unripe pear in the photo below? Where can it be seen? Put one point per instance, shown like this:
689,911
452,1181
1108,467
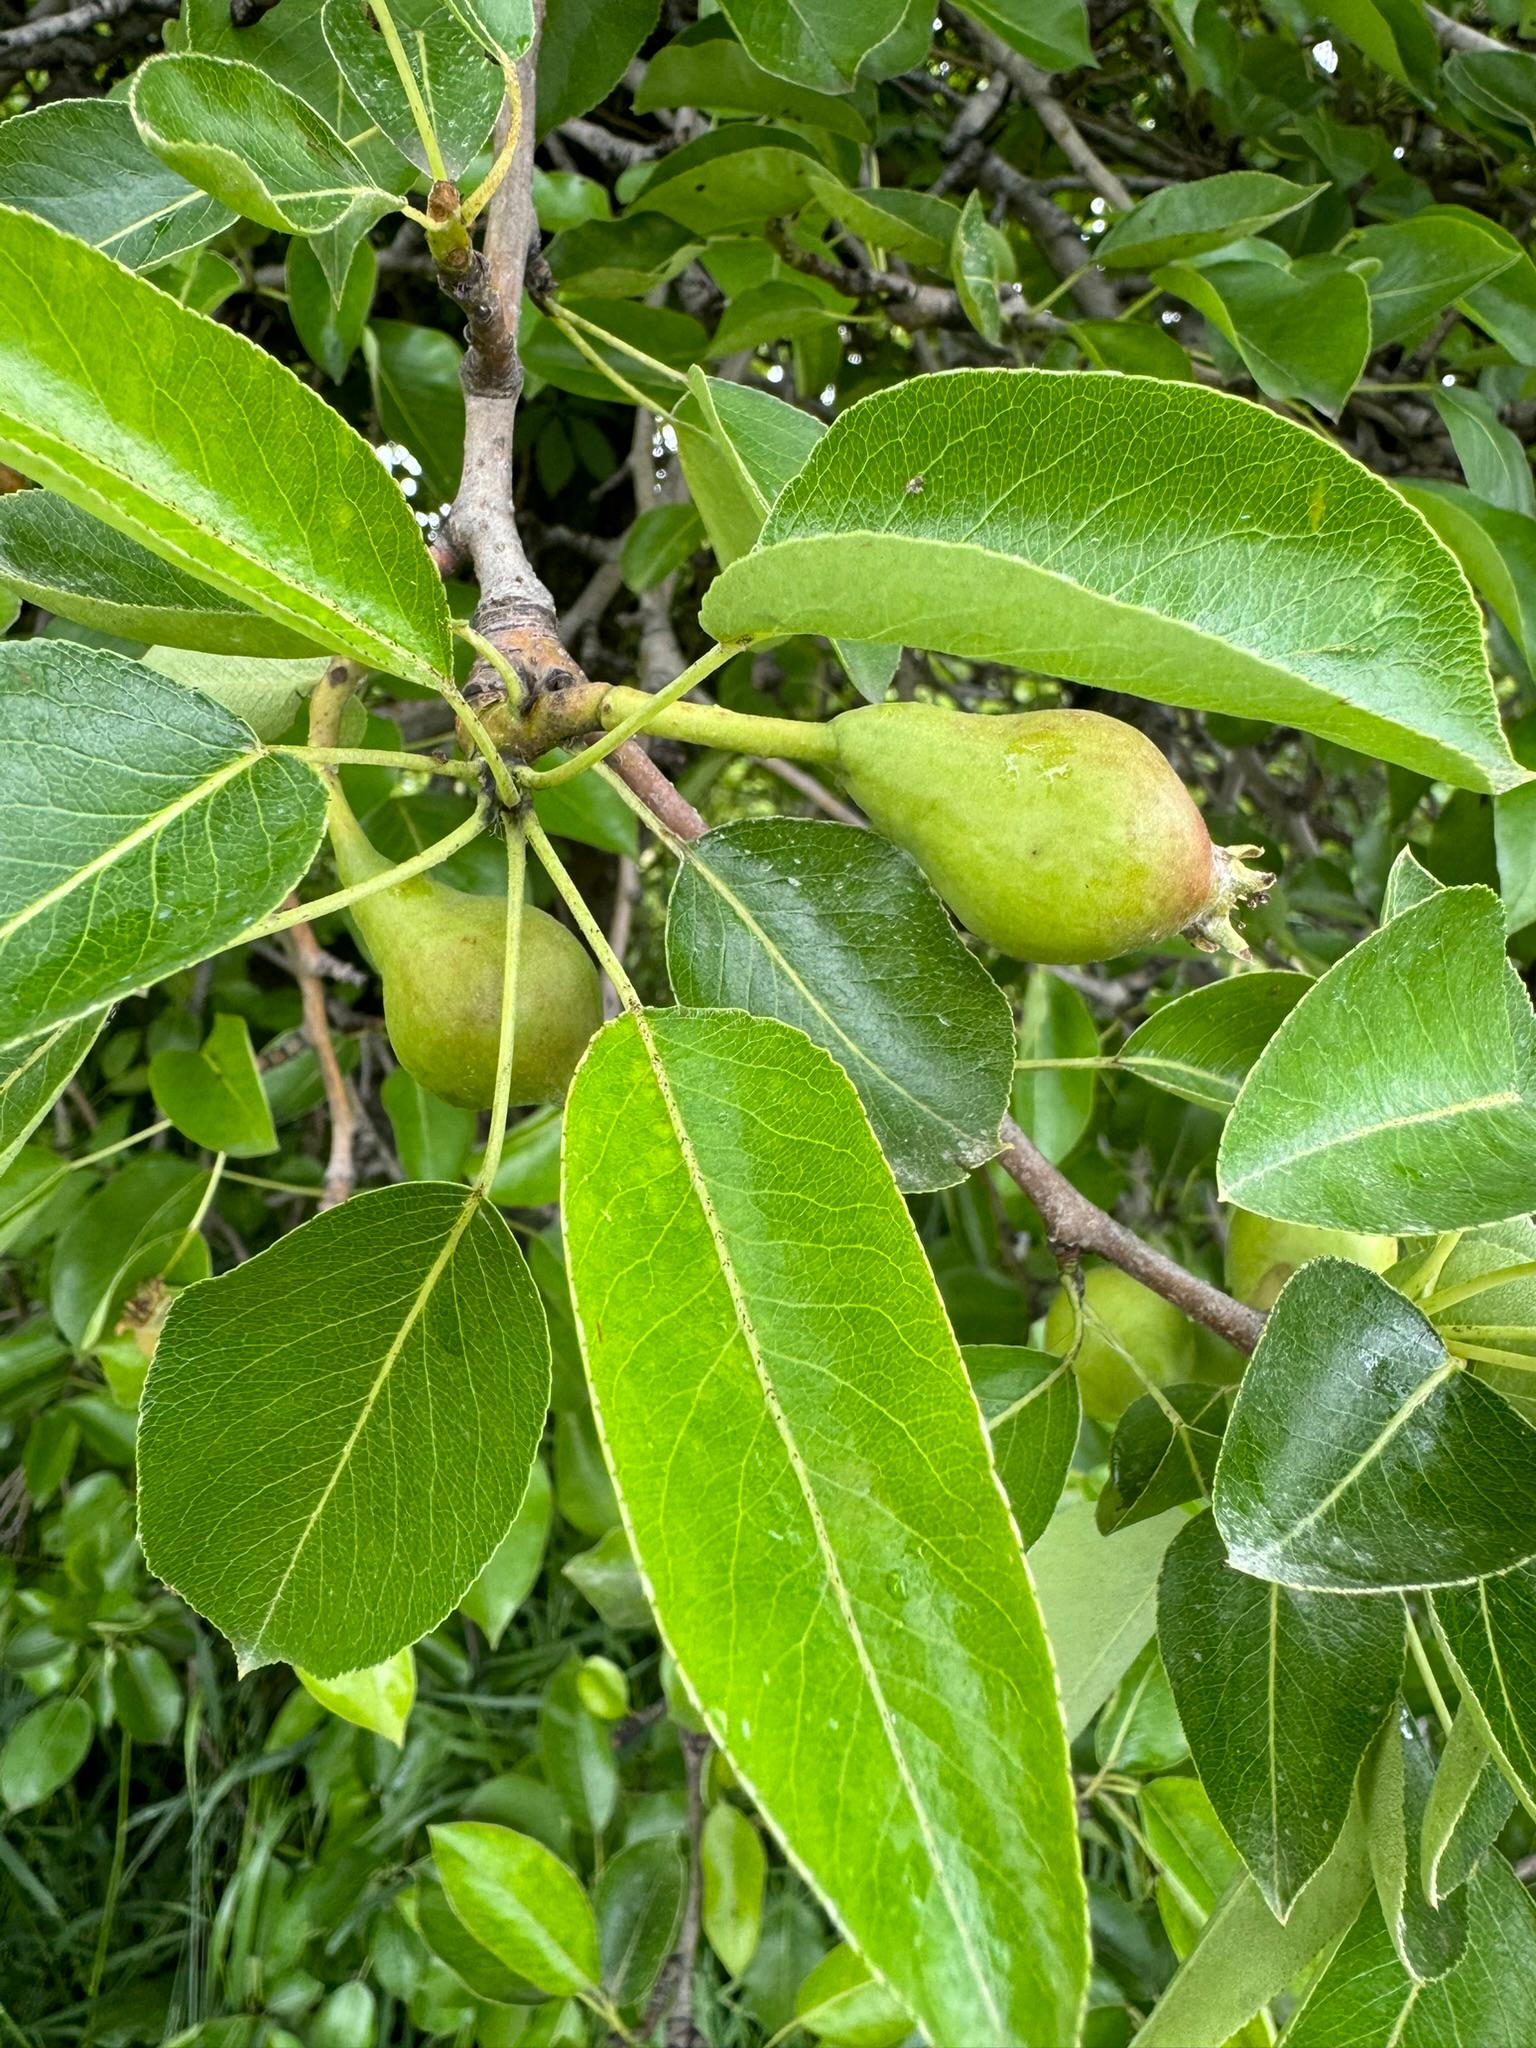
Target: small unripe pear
1058,836
1262,1254
440,955
1121,1317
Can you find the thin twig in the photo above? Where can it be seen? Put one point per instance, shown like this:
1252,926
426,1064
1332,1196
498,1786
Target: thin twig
672,2000
43,30
309,967
1035,85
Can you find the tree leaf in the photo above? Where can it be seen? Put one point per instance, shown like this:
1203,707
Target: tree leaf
1159,1460
813,1355
837,932
265,694
214,1095
379,1698
156,829
1185,220
1365,1994
1029,1403
575,1752
1391,1098
1430,1939
415,374
1139,1729
1468,1805
64,560
460,91
917,225
400,1341
1492,459
81,165
1201,1045
172,443
140,1226
584,53
1051,33
256,146
1489,1630
1054,1105
1303,328
733,177
520,1902
505,26
1426,263
1361,1457
976,262
330,324
822,48
43,1751
1099,1600
639,1901
842,2003
705,66
514,1567
988,513
1281,1694
33,1075
1197,1863
733,1868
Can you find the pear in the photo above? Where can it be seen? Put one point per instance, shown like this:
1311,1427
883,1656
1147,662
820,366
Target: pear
1058,836
1262,1254
439,953
1122,1321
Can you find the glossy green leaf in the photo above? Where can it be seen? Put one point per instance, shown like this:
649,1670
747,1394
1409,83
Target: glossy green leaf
171,442
379,1698
1099,1599
505,26
1489,1630
415,374
1391,1098
822,48
1159,1460
330,324
140,1226
64,560
1502,82
263,693
1185,220
1303,328
514,1567
1492,459
81,165
1365,1994
1029,1403
432,1138
1361,1457
842,2003
33,1075
520,1902
1426,263
658,544
1132,349
978,256
813,1353
1393,34
147,1695
214,1095
1468,1805
639,1904
607,1577
706,67
1054,1105
1500,1318
740,445
621,259
916,225
156,829
1197,1863
1201,1045
731,177
43,1751
460,91
1052,33
1395,1787
255,145
575,1751
1139,1730
1280,1694
733,1868
988,513
836,931
584,53
410,1422
451,1941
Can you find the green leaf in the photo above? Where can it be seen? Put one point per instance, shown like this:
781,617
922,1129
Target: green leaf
432,1138
733,1868
1054,1106
1099,1600
1131,348
575,1752
1201,1045
157,830
243,136
639,1903
1159,1459
1281,1693
1492,458
352,1530
842,2003
415,373
1360,1457
1390,1099
1029,1403
1185,220
264,694
214,1096
822,47
1365,1994
740,445
989,514
813,1356
1139,1730
1051,33
34,1073
472,1964
731,177
1197,1863
607,1577
1430,1940
64,560
1427,262
379,1698
836,931
81,165
330,324
171,442
147,1696
520,1902
1244,1956
916,225
666,335
1489,1630
1303,328
1468,1805
43,1751
1500,82
1496,549
977,263
659,543
584,52
706,67
505,26
1501,1317
139,1226
460,91
621,259
514,1567
1394,34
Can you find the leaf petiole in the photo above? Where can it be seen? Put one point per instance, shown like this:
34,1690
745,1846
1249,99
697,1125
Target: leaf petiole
517,856
589,927
410,87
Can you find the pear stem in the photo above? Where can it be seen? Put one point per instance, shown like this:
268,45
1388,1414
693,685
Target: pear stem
517,857
732,732
590,929
636,710
341,899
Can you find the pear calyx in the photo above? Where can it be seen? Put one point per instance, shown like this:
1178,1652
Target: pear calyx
1212,930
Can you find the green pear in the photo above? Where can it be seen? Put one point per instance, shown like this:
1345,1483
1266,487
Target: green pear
1059,836
440,954
1122,1322
1262,1254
